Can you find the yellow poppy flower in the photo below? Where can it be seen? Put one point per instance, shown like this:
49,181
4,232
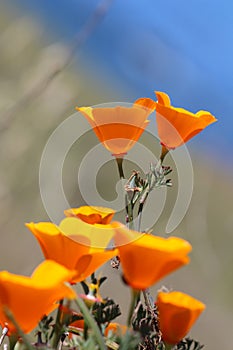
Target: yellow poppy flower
177,314
177,125
145,258
30,298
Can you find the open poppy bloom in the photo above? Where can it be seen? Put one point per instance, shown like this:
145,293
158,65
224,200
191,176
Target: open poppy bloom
30,298
118,128
177,314
177,125
91,215
90,225
145,258
68,251
74,251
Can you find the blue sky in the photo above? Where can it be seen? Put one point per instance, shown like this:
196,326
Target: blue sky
182,47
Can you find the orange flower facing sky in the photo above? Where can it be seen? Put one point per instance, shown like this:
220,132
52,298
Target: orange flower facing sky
30,298
177,314
145,258
118,128
92,215
75,243
177,125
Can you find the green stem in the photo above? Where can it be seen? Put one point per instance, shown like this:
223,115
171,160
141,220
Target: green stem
91,323
57,330
85,331
128,205
149,301
140,209
120,167
134,300
130,215
164,152
168,346
13,339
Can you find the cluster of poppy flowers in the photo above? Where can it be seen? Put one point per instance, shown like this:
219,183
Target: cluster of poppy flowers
78,247
81,243
120,127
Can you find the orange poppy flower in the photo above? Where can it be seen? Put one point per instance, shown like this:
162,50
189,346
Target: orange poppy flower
94,234
118,128
30,298
145,259
177,314
91,215
177,125
76,244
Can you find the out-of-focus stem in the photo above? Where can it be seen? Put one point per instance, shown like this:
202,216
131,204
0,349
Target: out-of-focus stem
13,338
134,299
149,301
4,333
91,323
57,330
12,341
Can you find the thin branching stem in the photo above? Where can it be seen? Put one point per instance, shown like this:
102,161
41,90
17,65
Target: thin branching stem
57,332
19,331
134,300
91,323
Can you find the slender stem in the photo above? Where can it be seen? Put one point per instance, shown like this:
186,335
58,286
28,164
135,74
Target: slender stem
85,331
168,346
128,204
12,341
120,167
140,217
57,330
91,323
164,152
140,209
4,333
130,215
19,331
149,302
59,347
146,293
134,299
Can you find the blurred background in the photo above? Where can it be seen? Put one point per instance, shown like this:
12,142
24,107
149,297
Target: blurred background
59,54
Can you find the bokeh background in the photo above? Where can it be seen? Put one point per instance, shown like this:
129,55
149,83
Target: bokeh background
128,50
